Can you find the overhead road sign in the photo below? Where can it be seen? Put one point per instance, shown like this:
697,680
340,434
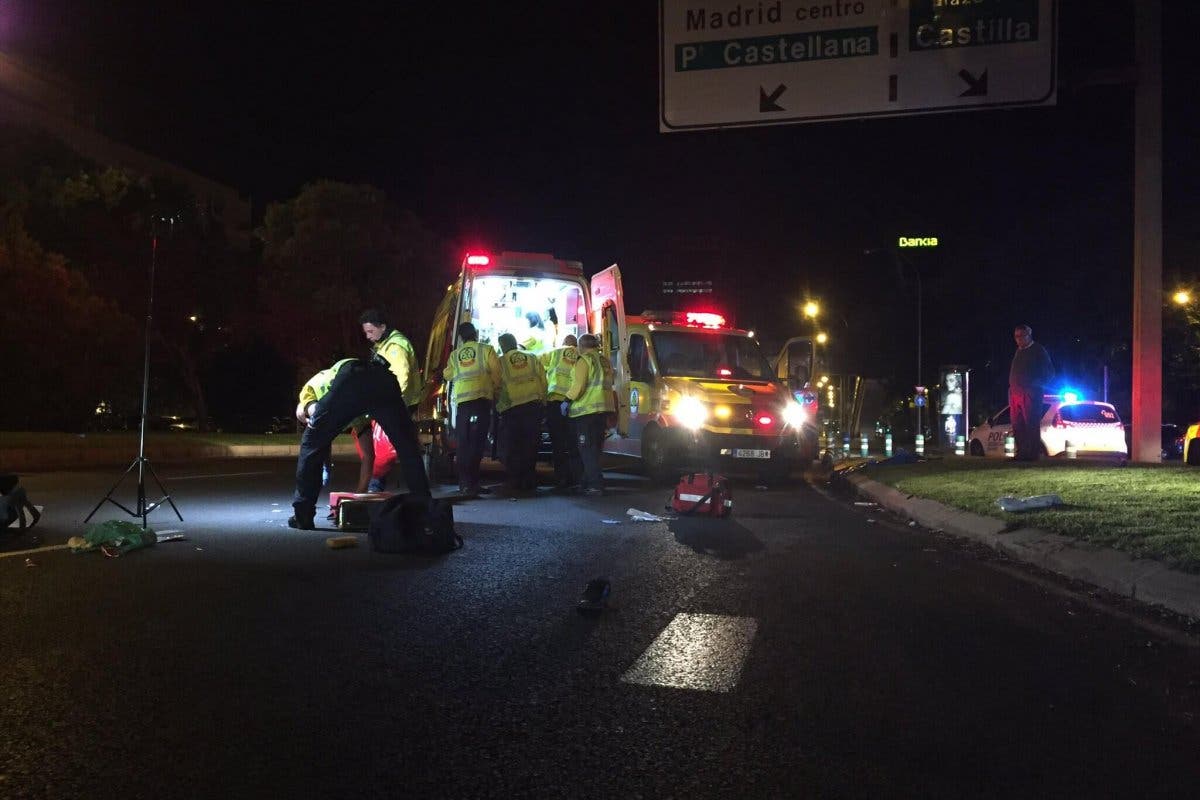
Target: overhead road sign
737,63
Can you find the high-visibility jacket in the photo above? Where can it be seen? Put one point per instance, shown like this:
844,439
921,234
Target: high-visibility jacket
522,380
560,366
475,371
587,393
318,386
397,350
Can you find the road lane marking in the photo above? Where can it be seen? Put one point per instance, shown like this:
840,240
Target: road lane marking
220,475
705,652
35,550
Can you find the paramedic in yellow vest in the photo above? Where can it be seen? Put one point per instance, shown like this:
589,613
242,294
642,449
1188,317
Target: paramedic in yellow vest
474,374
335,399
588,404
560,368
397,351
520,402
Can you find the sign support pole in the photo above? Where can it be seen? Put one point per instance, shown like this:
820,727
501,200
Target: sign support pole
1147,234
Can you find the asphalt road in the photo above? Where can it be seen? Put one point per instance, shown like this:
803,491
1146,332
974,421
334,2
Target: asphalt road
804,648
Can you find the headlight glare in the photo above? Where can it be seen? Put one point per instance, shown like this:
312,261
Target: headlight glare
690,412
794,415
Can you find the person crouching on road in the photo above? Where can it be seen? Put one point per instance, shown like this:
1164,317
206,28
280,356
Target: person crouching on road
522,394
337,398
589,401
559,365
474,374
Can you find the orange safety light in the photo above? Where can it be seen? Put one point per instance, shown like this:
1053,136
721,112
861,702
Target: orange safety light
705,319
478,261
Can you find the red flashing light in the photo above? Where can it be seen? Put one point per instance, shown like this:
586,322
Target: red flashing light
705,319
765,420
478,261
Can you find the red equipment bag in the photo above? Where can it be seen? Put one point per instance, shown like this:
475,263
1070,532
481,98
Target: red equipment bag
704,494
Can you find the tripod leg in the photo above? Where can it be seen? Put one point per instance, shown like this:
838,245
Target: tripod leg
108,497
166,495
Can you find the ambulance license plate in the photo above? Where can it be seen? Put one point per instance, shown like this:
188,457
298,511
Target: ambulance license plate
737,453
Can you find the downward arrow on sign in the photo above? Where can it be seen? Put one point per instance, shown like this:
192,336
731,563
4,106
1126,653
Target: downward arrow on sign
766,102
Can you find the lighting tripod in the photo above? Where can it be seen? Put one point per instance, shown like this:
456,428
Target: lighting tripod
141,463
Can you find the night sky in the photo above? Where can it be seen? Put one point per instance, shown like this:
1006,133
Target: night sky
534,126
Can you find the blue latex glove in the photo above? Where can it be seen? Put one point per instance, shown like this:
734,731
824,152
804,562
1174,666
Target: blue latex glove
566,404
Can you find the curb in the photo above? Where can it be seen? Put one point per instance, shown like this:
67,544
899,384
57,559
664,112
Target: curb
1141,579
88,456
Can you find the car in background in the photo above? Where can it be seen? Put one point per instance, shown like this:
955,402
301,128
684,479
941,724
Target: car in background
1172,442
1092,427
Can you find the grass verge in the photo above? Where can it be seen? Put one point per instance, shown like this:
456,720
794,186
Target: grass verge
1148,511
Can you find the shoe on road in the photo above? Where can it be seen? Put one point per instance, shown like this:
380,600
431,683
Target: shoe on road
300,524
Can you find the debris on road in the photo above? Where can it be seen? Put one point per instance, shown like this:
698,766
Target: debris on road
1012,503
29,562
171,537
644,516
341,542
595,596
611,521
865,504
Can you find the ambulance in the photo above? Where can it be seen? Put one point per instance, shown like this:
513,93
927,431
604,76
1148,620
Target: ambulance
694,392
534,296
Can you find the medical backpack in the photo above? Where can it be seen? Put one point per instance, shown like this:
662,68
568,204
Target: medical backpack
703,494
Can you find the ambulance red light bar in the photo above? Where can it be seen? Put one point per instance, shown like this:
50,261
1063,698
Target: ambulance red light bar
704,319
478,261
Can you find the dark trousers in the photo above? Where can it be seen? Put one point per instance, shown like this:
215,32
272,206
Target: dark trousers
589,433
1025,410
359,388
567,466
521,429
471,422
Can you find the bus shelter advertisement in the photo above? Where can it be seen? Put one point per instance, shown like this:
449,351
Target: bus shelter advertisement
950,403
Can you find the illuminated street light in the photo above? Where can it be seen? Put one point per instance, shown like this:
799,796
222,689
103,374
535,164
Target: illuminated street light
1181,298
811,309
193,318
822,338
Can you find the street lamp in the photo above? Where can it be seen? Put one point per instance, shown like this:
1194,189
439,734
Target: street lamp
811,309
1182,297
822,338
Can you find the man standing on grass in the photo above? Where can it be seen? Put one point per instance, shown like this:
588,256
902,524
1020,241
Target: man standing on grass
1028,377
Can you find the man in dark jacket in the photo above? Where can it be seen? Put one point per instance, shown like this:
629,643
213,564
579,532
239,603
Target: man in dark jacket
1030,373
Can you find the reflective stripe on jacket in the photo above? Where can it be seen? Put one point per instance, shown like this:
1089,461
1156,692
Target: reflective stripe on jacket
475,371
522,380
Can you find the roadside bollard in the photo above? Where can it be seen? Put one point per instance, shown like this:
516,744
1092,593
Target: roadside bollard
1010,446
920,444
865,450
960,445
846,444
1072,451
887,445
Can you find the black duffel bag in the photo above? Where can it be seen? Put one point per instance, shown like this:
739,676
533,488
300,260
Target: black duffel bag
414,524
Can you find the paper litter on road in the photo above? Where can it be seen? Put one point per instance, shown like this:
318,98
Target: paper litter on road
1011,503
611,521
643,516
171,537
863,503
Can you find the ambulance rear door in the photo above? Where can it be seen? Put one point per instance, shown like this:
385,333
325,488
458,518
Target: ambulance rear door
608,323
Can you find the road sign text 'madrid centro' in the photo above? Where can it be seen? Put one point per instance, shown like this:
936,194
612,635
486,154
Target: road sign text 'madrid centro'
765,62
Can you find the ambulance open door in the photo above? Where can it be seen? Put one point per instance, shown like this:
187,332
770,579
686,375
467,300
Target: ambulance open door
608,324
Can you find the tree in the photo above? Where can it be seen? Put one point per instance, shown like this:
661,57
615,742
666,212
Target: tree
103,220
334,250
63,343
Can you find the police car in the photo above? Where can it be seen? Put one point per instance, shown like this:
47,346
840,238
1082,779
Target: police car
1088,427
